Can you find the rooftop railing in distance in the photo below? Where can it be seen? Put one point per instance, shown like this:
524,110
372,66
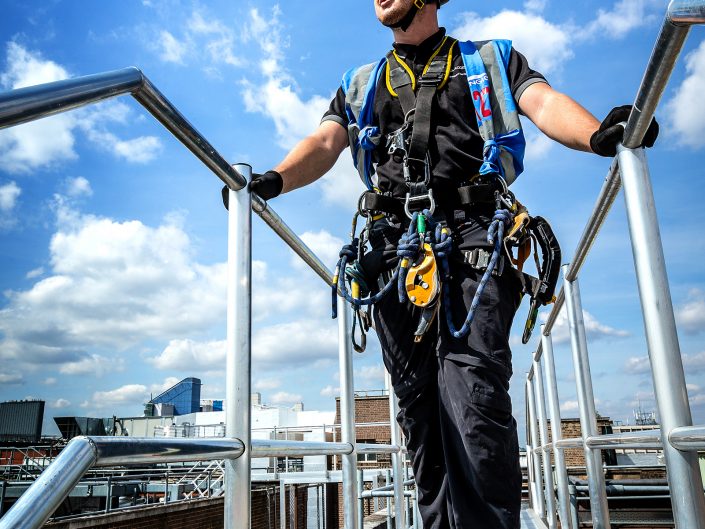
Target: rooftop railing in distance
677,438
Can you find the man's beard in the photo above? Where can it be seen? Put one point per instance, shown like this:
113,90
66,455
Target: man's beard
395,15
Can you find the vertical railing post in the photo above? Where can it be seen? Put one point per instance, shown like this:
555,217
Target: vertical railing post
586,402
545,455
238,360
556,433
282,504
397,467
532,453
361,500
683,470
347,414
387,482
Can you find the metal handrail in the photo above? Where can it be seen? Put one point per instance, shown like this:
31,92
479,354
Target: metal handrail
677,437
32,103
35,102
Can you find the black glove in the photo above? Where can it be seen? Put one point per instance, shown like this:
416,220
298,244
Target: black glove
267,186
605,140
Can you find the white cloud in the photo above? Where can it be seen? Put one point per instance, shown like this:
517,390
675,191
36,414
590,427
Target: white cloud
325,245
570,406
637,365
692,363
342,186
593,328
132,394
277,97
8,196
142,149
51,140
78,186
625,16
111,285
171,49
546,54
267,383
370,377
49,381
191,355
11,378
59,404
691,314
215,37
535,5
538,145
330,391
295,342
92,365
36,272
686,112
282,397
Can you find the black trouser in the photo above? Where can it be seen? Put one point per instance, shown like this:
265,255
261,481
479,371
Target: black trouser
455,405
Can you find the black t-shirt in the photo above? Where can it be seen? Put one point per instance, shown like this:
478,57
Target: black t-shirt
455,145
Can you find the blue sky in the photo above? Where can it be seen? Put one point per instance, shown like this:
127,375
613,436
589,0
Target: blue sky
113,238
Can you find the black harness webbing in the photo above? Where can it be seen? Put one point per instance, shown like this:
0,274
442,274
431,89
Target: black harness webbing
417,105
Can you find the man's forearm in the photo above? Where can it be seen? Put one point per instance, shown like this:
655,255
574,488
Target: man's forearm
313,156
559,117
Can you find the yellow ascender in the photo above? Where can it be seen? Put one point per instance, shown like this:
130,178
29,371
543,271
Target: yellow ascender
423,283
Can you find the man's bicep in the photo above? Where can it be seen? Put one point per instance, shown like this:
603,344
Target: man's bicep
533,100
333,134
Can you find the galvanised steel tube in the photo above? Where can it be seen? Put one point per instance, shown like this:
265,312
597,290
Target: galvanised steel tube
238,368
279,448
364,448
539,505
347,414
397,467
661,336
113,451
47,493
688,438
554,408
573,442
279,227
34,102
686,12
545,456
556,433
644,439
663,59
167,114
586,403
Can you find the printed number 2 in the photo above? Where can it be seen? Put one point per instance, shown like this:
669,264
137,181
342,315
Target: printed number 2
482,96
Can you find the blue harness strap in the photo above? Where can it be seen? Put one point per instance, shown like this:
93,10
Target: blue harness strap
483,93
361,120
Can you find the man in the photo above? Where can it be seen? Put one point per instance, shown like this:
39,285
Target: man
453,392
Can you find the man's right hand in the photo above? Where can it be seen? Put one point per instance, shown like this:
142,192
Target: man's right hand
605,140
267,186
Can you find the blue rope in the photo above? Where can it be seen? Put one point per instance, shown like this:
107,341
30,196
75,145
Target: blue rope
495,235
409,246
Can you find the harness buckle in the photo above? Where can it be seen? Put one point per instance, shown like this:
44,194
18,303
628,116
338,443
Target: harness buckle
411,204
479,259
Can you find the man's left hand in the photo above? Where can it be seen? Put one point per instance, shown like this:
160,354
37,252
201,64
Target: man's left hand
611,133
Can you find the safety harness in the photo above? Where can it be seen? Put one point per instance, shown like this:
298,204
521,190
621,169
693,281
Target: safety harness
423,274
